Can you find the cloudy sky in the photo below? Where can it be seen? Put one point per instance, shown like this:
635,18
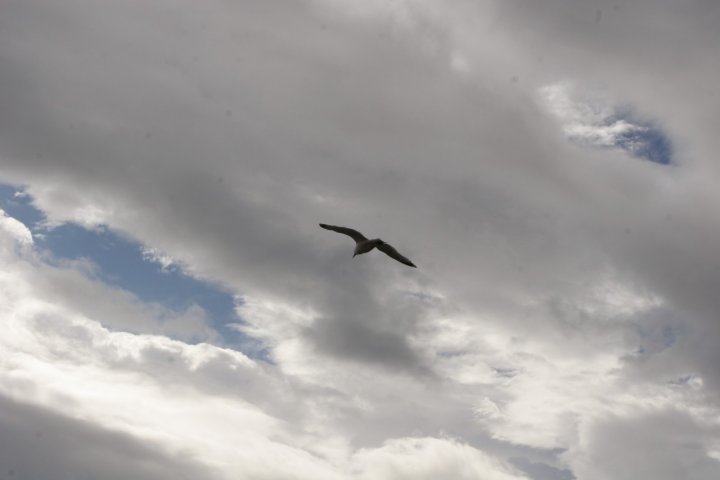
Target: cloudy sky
171,309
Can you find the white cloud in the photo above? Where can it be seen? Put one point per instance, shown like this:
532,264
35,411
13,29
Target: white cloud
228,413
592,118
429,458
16,230
74,285
165,261
162,392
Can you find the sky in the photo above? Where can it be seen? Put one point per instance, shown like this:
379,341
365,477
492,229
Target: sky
171,309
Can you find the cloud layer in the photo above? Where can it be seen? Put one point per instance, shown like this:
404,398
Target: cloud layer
563,318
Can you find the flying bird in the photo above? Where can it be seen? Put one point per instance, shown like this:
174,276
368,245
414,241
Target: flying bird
364,245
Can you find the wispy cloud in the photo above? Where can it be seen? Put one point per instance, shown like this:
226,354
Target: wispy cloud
594,119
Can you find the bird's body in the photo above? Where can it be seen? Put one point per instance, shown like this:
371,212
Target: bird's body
364,245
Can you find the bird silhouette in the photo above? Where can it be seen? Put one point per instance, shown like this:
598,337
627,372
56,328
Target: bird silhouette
364,245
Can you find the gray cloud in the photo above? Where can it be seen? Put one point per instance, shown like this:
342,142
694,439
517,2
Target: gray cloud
40,443
223,133
621,447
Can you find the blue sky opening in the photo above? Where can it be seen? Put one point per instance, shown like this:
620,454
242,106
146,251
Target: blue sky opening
646,140
120,263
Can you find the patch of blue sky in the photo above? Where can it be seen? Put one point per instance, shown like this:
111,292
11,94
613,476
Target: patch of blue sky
120,262
645,140
658,336
19,206
592,118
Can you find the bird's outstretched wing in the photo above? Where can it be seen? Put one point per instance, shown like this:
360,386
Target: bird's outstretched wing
388,249
357,236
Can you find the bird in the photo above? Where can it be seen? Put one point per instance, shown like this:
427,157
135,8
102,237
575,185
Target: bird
364,245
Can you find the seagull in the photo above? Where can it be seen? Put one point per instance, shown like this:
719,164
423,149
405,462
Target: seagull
363,245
